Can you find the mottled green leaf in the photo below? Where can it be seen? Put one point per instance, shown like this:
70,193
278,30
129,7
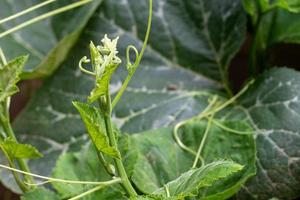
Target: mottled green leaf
95,125
40,193
272,107
189,183
9,76
84,166
16,150
53,38
154,158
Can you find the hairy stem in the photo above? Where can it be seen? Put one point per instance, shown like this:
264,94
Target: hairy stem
5,122
21,162
49,179
119,164
20,183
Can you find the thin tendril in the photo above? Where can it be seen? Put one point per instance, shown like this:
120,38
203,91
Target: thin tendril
26,11
38,184
44,16
231,100
2,56
167,190
230,129
138,60
85,60
92,190
129,64
198,117
209,110
55,179
202,143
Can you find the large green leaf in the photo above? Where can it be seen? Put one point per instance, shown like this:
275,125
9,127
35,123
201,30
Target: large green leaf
154,158
48,42
9,76
272,107
84,166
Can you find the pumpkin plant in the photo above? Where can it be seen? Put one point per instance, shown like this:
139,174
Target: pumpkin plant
154,115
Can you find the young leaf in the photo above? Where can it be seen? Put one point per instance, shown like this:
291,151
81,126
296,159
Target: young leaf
105,62
9,76
57,36
189,183
96,128
16,150
153,158
40,193
83,166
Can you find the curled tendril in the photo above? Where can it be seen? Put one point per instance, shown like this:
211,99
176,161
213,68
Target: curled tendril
212,103
130,66
85,60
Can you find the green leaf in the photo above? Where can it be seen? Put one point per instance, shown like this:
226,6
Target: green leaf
272,107
153,158
16,150
257,7
189,183
163,91
40,193
96,128
9,76
83,166
274,29
57,36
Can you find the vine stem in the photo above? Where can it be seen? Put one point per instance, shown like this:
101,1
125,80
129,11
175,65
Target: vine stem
49,179
44,16
119,164
26,11
16,177
114,181
5,122
198,117
138,59
21,162
202,142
